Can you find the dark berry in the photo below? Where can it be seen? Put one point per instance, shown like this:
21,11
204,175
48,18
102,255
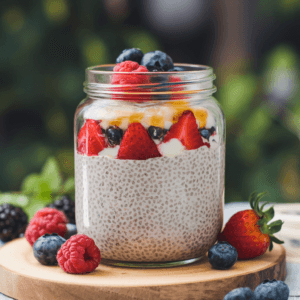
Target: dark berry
222,256
272,290
13,222
114,135
243,293
177,69
156,132
71,230
157,60
65,204
46,247
132,54
205,133
212,130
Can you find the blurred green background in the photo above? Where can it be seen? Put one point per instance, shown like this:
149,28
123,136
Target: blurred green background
253,47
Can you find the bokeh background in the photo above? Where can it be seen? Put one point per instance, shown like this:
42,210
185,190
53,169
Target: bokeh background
253,46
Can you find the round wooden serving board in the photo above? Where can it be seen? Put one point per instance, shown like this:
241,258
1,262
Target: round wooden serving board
22,277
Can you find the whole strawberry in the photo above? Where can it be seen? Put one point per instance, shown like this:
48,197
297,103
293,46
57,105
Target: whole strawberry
249,232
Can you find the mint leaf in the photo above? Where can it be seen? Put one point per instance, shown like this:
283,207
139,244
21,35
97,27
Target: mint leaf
69,186
31,184
51,173
34,206
14,199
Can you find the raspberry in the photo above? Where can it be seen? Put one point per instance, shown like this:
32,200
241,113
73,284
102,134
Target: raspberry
133,67
46,220
79,255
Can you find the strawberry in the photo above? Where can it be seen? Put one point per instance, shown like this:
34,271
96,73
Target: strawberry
249,232
90,138
186,131
137,144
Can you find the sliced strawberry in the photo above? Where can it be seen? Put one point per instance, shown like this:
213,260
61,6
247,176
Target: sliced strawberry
90,139
186,131
137,144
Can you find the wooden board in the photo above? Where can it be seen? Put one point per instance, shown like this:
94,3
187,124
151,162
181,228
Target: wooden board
22,277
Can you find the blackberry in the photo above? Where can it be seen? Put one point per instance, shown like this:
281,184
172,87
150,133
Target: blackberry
158,61
243,293
156,132
272,290
222,256
71,230
114,135
46,247
13,222
65,204
132,54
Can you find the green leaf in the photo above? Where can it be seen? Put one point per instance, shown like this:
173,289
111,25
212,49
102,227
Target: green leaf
31,184
14,199
276,240
34,206
269,214
69,186
51,173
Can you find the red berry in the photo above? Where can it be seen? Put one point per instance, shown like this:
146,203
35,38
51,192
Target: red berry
133,67
137,144
90,138
46,220
186,131
79,255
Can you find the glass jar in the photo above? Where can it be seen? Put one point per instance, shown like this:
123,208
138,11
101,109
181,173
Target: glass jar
149,165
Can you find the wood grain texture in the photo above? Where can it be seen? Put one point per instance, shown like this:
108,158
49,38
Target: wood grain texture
22,277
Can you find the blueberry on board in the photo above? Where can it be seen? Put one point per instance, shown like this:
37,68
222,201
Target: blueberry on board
272,290
176,69
156,132
71,230
158,61
46,247
243,293
222,256
132,54
204,133
114,135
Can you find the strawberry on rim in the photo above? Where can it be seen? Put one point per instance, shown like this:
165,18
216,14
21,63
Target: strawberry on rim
249,232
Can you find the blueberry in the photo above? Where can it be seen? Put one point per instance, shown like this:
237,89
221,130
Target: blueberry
272,290
71,230
156,132
222,256
132,54
158,61
212,130
176,69
243,293
46,247
114,135
205,133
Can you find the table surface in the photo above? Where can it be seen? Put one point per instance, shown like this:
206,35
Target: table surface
293,269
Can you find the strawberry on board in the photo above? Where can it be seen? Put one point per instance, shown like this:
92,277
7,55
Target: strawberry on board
186,131
137,144
249,232
90,139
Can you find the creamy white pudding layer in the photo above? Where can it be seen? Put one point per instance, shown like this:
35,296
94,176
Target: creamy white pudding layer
156,210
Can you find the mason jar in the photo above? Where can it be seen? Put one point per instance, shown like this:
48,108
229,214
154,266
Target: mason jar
149,165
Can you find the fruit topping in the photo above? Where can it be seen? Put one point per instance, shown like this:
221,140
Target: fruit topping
156,133
46,220
186,131
65,204
204,133
79,255
248,230
222,256
243,293
212,130
137,144
176,69
272,290
157,61
132,54
91,139
133,67
13,222
46,247
114,135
